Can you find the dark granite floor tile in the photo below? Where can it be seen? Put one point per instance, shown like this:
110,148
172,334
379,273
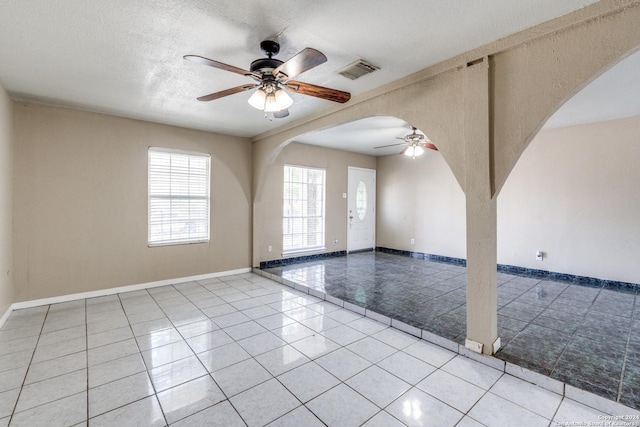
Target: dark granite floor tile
549,334
525,281
608,351
514,313
460,311
506,335
551,288
503,301
613,309
533,300
510,323
562,315
630,394
601,328
540,352
514,288
523,362
574,307
520,305
610,394
568,326
620,296
580,293
599,366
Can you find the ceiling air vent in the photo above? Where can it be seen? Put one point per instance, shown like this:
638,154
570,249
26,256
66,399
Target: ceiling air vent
358,69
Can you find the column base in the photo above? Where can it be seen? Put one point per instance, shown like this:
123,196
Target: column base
478,347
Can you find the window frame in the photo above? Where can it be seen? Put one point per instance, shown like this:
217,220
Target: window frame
304,248
199,238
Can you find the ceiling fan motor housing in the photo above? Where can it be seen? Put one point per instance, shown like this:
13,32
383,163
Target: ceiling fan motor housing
265,65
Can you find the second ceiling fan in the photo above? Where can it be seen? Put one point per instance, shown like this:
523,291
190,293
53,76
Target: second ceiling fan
273,77
414,143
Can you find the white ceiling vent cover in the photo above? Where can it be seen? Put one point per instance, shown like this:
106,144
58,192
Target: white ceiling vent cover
358,69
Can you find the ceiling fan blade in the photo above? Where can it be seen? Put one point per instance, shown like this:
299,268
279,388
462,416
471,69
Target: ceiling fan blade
430,146
226,92
318,91
301,62
281,114
390,145
215,64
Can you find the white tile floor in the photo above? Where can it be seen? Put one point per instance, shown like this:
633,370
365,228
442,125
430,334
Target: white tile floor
244,350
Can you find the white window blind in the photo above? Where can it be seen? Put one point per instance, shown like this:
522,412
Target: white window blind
303,210
178,197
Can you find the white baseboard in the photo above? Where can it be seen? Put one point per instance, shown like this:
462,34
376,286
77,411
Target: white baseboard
111,291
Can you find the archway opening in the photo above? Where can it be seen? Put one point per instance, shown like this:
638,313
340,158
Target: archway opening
567,222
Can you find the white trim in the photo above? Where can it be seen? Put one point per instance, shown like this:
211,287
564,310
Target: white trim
310,251
111,291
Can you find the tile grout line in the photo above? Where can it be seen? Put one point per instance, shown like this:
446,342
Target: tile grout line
626,348
15,406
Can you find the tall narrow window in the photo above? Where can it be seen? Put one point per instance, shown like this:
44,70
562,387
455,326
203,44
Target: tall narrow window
178,197
303,211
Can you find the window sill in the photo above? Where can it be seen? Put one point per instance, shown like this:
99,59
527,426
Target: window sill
297,252
192,242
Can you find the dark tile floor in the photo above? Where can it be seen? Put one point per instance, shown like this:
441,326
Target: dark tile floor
588,337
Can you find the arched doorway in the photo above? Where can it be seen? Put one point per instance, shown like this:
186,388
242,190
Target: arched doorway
571,197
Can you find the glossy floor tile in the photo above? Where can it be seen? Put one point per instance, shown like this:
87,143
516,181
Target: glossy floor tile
585,336
243,350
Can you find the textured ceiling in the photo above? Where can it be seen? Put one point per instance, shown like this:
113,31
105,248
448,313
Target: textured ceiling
124,57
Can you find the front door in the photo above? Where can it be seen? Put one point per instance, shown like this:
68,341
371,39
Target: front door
361,209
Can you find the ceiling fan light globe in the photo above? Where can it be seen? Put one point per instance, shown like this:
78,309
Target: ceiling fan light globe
270,103
257,100
283,99
413,151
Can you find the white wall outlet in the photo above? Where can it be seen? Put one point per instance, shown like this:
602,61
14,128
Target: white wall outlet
335,241
413,241
539,255
270,248
344,195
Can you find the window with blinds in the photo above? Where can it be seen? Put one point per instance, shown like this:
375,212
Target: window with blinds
303,210
178,197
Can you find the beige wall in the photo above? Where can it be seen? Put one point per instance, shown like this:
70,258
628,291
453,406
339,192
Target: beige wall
420,199
81,203
574,195
6,202
268,212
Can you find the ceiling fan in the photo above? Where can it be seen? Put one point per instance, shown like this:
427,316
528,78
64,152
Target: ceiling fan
272,76
415,144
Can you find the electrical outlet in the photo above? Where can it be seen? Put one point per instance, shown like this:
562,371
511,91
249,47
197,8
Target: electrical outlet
413,241
335,241
270,248
539,255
